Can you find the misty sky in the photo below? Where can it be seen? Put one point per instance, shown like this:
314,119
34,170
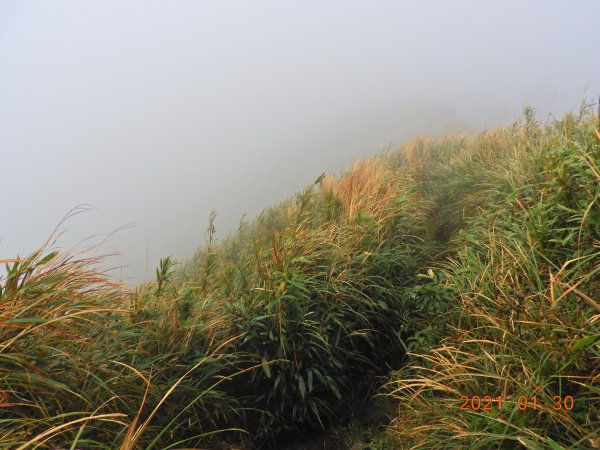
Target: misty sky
157,112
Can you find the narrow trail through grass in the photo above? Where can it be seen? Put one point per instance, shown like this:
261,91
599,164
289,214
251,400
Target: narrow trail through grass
359,311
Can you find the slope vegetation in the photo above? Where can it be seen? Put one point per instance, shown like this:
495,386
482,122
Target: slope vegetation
434,276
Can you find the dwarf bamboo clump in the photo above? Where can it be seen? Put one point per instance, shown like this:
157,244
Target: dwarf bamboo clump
82,362
525,314
461,267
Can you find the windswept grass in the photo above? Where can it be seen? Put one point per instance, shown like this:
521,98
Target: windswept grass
320,295
465,266
82,366
525,318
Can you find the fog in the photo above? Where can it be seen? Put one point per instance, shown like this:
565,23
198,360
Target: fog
157,113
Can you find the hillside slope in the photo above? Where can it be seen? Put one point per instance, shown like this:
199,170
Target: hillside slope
460,267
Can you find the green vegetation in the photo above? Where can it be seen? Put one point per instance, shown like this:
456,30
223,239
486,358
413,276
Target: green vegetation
466,266
524,268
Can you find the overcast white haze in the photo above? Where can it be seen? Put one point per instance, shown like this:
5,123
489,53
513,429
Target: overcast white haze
157,112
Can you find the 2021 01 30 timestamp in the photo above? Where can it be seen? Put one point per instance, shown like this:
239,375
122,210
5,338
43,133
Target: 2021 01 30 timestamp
489,403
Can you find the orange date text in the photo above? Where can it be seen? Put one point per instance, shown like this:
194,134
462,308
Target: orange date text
489,403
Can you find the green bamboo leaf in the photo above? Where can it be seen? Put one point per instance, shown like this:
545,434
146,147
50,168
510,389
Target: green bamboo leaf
30,376
528,444
48,280
299,285
259,318
553,444
587,341
277,381
266,367
321,178
301,386
46,259
28,320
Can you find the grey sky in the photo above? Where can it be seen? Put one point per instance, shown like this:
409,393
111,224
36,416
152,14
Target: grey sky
157,112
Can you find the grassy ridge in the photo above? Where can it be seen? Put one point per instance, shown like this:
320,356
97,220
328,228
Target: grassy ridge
461,266
525,274
85,363
321,295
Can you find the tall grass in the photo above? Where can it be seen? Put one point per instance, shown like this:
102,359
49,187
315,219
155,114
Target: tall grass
465,266
314,289
524,321
85,363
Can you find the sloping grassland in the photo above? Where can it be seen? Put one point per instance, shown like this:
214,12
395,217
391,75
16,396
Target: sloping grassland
464,266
